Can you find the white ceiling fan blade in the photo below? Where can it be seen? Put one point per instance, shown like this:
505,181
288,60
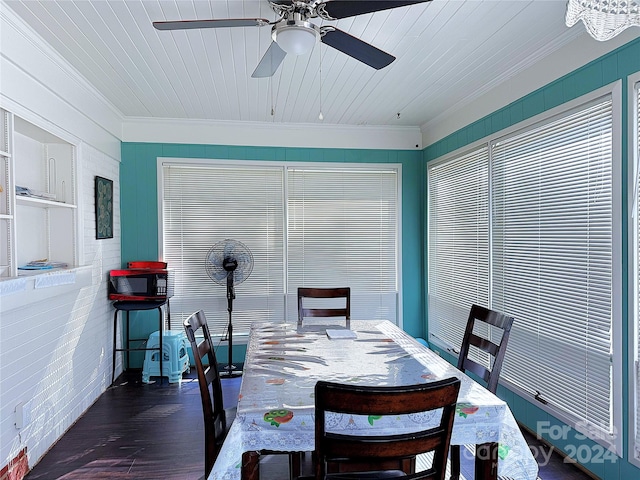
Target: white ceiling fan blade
270,61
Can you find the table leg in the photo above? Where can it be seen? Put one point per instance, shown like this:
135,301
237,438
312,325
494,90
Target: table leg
250,469
487,461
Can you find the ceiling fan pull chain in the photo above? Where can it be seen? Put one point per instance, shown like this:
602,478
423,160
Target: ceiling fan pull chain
273,107
321,116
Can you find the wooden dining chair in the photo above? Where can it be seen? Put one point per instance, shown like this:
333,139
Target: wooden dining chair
217,419
356,452
327,294
491,323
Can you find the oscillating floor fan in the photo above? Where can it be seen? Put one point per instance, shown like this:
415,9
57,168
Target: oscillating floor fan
229,262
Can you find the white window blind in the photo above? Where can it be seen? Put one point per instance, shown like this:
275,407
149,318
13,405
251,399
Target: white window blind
636,365
458,270
205,204
552,261
343,231
546,257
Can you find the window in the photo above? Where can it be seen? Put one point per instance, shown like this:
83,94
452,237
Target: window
546,258
552,260
306,225
458,205
343,232
204,204
635,367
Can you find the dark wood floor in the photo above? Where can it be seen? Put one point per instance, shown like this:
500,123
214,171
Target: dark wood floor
140,431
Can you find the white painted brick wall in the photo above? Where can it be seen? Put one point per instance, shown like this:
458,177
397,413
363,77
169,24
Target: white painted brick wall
56,354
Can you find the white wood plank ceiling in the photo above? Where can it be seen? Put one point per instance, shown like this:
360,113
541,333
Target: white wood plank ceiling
447,52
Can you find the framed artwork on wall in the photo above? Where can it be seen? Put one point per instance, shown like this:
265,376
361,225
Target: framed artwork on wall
104,208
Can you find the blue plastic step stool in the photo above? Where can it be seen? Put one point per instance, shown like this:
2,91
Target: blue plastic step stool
175,356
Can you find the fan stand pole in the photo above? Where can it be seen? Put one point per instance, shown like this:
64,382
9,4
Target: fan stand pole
228,370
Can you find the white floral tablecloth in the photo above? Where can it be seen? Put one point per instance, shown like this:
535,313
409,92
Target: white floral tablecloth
284,362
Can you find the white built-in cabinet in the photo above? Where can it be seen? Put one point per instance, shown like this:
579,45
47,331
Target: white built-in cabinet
44,226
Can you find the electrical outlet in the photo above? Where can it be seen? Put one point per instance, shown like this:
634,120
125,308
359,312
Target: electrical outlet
18,421
22,414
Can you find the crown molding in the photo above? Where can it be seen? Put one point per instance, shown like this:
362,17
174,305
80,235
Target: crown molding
154,130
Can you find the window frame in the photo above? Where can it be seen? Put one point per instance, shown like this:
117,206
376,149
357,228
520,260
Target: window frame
286,167
614,443
633,329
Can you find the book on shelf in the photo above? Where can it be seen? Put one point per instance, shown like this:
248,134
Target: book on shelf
43,265
30,192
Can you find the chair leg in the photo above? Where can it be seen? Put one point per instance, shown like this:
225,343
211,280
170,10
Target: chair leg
455,461
295,465
250,469
486,464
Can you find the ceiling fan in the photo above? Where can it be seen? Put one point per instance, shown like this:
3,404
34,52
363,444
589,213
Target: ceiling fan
293,33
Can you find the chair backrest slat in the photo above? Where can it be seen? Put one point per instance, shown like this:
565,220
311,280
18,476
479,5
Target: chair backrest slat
484,344
334,446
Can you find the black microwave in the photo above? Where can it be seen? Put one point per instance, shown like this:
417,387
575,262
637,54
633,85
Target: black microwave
140,284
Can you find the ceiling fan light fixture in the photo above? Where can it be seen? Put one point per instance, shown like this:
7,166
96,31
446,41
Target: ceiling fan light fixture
296,37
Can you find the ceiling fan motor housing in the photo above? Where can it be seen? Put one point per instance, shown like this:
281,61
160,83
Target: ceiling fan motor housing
295,35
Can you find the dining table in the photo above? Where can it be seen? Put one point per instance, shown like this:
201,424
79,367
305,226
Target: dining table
284,361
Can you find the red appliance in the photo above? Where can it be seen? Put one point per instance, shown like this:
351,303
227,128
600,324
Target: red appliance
141,281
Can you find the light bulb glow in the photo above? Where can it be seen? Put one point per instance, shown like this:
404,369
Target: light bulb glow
296,37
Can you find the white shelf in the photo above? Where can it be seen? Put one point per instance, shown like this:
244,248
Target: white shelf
34,227
41,202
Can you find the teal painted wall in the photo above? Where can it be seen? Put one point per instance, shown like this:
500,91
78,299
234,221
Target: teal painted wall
617,65
139,212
